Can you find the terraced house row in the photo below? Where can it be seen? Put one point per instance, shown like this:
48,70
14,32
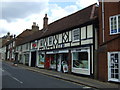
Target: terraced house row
86,42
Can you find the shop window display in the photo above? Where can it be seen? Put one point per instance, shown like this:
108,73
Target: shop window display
80,60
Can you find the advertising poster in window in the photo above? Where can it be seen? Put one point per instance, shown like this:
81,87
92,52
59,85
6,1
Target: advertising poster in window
41,60
62,63
81,61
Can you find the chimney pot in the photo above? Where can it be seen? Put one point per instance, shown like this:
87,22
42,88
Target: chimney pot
34,23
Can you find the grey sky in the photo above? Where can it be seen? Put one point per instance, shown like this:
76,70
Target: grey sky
18,15
12,10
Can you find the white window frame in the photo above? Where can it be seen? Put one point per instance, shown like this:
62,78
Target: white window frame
109,76
41,43
73,35
50,44
116,16
82,70
27,46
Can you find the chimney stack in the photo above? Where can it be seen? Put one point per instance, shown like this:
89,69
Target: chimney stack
45,22
34,26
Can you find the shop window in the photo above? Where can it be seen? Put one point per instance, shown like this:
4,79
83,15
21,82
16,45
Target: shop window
115,24
20,59
41,60
76,34
80,60
26,59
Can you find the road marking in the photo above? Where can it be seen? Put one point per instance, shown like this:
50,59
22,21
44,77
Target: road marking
16,79
86,87
1,69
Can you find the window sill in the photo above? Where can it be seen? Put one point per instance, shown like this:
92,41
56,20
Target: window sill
75,41
114,34
50,45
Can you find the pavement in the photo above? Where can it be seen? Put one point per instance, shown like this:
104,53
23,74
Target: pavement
73,78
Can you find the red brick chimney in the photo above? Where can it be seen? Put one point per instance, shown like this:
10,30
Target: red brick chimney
34,26
45,22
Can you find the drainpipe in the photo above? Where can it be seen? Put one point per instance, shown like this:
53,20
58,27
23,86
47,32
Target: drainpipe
103,27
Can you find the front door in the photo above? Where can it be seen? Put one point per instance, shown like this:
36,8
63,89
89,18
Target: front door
114,66
47,62
33,59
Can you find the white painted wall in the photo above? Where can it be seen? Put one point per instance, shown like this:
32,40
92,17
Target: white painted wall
89,31
83,32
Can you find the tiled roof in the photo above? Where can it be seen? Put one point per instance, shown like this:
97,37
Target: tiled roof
71,21
21,37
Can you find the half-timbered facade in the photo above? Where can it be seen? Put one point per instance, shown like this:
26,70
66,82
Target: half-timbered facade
68,44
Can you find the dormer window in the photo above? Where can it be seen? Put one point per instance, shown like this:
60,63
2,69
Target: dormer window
115,24
50,41
76,35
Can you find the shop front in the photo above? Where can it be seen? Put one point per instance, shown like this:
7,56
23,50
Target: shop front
51,58
81,61
57,60
62,62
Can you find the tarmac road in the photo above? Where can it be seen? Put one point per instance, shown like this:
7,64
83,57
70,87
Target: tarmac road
16,77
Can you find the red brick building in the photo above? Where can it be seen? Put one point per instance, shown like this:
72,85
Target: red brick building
109,41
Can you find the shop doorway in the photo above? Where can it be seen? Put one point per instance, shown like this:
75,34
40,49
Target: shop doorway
47,62
33,59
50,61
62,62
